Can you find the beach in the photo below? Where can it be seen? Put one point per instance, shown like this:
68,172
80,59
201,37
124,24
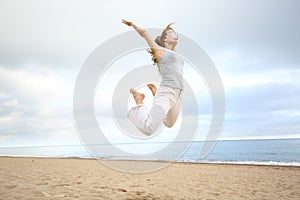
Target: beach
73,178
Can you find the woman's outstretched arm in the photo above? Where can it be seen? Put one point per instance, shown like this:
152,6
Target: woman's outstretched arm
153,46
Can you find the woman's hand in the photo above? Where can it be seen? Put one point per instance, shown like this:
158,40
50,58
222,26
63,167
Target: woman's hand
153,46
127,22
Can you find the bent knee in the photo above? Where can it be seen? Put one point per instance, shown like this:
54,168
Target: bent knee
148,130
168,124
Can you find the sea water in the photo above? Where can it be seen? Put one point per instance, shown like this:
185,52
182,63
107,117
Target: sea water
271,151
265,152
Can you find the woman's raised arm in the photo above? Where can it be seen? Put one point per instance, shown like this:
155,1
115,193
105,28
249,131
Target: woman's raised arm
153,46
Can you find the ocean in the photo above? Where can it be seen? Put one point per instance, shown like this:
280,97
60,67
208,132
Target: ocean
284,152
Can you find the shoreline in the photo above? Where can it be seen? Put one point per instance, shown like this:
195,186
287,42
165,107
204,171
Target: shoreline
246,163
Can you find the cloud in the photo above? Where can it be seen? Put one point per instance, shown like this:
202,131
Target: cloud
247,32
35,108
263,110
62,34
260,98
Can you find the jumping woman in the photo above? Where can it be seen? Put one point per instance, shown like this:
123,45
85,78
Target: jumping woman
167,98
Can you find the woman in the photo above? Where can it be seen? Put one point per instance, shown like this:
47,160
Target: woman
167,98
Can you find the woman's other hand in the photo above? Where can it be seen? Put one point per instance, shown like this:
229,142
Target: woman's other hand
127,22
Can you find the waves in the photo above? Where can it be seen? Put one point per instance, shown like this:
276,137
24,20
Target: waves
283,152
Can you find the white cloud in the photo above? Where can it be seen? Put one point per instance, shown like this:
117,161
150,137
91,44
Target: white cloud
8,119
35,87
36,105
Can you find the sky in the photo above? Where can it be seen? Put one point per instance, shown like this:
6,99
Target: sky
254,45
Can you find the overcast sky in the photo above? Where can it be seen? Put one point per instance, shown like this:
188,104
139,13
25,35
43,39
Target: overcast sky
254,44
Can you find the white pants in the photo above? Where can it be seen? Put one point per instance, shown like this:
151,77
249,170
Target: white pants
165,108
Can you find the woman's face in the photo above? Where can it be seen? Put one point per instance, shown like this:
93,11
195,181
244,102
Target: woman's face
172,34
171,37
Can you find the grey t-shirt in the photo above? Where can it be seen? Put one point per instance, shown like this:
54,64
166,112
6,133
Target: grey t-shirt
171,69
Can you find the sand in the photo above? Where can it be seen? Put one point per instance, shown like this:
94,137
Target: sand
47,178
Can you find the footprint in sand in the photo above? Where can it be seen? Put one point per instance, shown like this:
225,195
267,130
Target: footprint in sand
139,192
10,186
121,190
60,185
42,183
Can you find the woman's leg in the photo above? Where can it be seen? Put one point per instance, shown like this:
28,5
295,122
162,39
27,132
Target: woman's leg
148,121
172,114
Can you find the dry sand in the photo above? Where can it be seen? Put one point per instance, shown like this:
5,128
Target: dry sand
45,178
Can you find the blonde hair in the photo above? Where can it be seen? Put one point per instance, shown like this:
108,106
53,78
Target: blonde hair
160,41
